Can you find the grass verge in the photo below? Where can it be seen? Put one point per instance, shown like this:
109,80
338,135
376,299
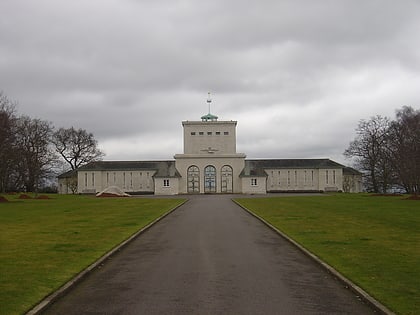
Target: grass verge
44,243
374,241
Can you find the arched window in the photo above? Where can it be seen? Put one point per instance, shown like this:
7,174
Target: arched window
210,179
226,177
193,180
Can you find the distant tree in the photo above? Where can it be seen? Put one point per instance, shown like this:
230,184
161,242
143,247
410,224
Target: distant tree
369,151
36,155
71,183
404,148
76,147
7,141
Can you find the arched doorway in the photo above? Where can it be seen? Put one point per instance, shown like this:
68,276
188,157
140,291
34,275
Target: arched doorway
210,179
227,182
193,180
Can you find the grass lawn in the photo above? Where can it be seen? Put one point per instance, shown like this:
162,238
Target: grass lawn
374,241
44,243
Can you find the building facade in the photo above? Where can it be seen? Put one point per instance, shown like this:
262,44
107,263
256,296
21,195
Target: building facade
210,164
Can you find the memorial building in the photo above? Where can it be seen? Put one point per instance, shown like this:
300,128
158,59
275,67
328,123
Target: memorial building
210,164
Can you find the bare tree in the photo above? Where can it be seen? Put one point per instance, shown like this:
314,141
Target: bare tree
77,147
7,141
404,148
36,156
369,151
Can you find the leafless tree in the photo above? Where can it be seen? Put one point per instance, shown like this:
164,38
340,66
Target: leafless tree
404,148
36,155
76,147
7,141
369,151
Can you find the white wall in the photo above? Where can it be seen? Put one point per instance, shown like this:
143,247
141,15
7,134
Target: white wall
183,162
127,180
304,179
292,179
254,185
161,189
331,179
217,139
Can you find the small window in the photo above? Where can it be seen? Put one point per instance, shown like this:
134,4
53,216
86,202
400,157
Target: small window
193,133
166,183
226,133
201,133
209,133
253,182
217,133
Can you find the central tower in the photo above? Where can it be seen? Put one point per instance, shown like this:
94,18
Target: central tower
210,163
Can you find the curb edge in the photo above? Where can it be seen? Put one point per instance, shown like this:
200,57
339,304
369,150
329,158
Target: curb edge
49,299
375,304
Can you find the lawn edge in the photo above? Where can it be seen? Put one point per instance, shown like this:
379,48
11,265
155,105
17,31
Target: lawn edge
375,304
44,303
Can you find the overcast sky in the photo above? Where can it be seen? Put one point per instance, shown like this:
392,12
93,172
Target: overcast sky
296,75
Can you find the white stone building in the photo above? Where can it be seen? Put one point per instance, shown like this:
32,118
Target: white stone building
210,164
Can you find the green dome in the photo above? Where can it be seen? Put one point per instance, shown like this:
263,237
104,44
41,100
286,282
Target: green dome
209,117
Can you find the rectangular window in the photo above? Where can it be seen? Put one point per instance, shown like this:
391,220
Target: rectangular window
86,179
107,179
296,178
226,133
209,133
288,177
131,179
115,178
312,178
326,177
166,183
334,177
217,133
253,182
201,133
193,133
93,179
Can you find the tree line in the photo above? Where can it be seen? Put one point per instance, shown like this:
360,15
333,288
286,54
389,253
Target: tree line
388,151
32,150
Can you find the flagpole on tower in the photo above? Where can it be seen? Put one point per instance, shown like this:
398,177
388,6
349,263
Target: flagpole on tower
209,116
209,101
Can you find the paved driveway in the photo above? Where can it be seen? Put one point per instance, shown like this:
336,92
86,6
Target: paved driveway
209,257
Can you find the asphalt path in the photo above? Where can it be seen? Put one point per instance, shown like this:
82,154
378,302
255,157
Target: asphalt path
209,257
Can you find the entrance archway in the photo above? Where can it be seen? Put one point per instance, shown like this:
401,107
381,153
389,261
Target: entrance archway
193,180
210,179
227,182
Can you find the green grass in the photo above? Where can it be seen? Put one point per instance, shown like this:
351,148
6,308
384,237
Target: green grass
374,241
44,243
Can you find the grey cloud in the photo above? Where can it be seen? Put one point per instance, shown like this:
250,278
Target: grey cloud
297,75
